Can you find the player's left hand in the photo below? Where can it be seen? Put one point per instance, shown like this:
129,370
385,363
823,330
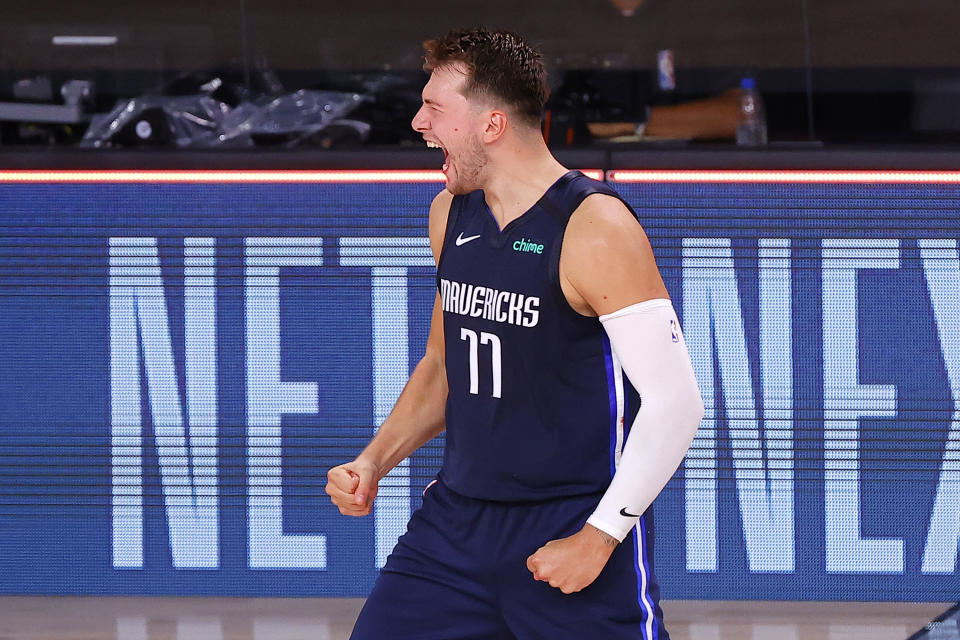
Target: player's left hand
571,564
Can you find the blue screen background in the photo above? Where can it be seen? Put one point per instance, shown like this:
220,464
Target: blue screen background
820,318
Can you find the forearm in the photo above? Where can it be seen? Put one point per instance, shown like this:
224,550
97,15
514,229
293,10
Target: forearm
711,118
649,343
650,457
417,417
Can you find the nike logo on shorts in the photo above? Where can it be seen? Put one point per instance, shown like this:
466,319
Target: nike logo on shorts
462,241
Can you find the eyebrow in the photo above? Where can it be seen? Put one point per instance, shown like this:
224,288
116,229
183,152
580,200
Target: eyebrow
430,101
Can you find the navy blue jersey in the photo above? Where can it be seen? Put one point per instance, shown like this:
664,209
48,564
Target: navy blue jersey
537,401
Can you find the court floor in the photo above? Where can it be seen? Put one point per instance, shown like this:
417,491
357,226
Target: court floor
129,618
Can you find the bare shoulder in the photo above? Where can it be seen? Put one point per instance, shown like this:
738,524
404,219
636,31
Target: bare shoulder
607,262
439,212
440,209
603,219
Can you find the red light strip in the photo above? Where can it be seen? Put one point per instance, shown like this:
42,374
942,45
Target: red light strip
855,177
393,176
133,176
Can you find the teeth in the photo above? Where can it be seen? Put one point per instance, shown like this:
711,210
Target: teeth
432,145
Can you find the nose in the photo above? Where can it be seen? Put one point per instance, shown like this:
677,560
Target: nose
419,122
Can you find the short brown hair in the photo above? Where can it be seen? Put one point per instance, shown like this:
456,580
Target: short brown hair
500,65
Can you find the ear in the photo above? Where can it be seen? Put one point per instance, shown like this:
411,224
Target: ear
497,122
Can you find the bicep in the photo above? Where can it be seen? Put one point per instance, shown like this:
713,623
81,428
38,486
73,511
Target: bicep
439,213
607,258
435,340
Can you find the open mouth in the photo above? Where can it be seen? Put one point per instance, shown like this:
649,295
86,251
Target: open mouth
434,145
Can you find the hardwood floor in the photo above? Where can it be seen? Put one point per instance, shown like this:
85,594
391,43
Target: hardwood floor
130,618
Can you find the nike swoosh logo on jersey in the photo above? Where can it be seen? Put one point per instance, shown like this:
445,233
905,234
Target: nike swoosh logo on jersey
627,514
462,241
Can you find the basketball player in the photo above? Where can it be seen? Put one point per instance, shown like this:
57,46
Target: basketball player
538,524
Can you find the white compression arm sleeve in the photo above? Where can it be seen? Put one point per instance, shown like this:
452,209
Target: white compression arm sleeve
647,340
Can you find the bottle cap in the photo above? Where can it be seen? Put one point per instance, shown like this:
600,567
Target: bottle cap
748,83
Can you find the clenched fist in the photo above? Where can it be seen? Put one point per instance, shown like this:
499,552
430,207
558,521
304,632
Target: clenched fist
353,486
573,563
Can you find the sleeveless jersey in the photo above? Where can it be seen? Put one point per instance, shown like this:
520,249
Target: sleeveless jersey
537,401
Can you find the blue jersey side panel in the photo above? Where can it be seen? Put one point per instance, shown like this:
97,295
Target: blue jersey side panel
530,391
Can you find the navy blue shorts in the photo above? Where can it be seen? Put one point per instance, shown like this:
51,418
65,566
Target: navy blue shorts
459,573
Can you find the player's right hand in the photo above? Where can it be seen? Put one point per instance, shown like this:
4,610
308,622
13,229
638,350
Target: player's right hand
353,486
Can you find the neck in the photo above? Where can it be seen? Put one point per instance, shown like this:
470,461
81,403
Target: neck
520,171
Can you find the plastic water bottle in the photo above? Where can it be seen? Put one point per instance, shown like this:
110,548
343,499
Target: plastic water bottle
752,128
